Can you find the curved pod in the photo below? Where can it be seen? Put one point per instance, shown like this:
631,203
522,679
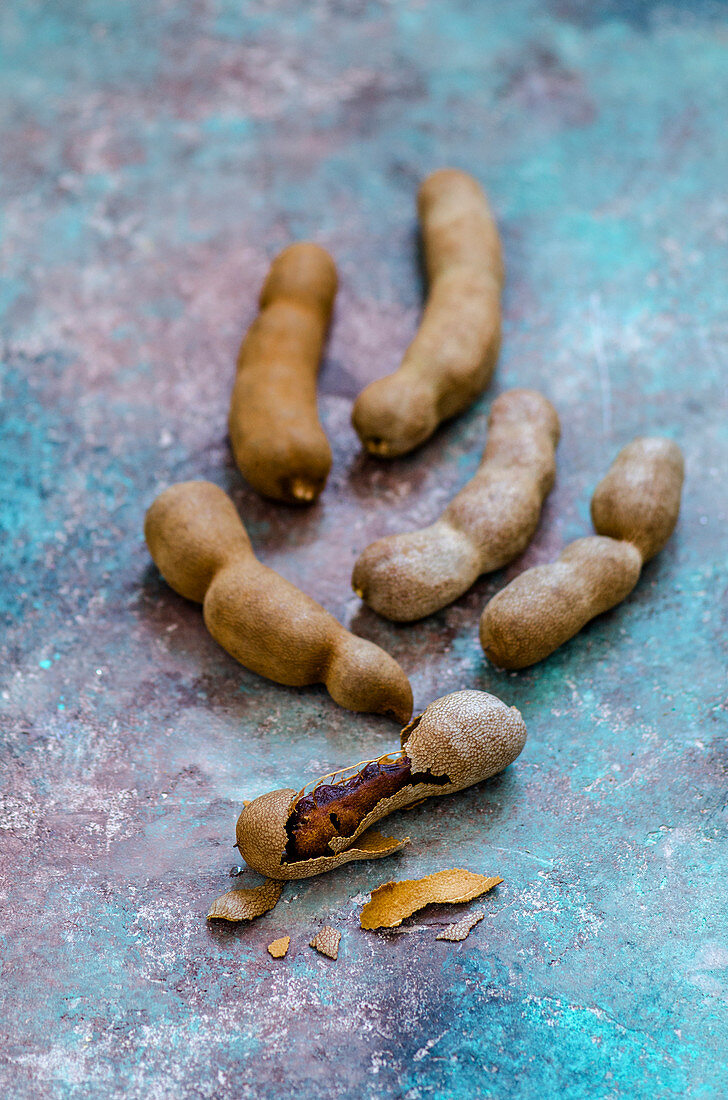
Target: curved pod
201,548
277,438
453,355
489,523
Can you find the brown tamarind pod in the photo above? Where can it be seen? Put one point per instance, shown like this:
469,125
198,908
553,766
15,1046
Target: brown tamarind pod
201,548
634,509
545,606
489,523
459,740
638,500
277,438
453,354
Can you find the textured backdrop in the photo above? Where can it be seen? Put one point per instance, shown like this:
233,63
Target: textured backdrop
156,155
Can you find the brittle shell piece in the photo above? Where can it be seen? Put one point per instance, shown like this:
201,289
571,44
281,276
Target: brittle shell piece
279,948
394,901
327,942
462,928
246,904
261,830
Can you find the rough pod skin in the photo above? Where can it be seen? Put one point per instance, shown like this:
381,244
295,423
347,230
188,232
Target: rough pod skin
202,550
453,355
278,442
634,509
458,740
489,522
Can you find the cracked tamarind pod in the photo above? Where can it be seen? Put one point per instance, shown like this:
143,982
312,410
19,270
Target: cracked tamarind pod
453,354
202,550
634,510
457,741
277,438
489,523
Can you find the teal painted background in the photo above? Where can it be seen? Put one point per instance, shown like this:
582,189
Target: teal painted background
155,157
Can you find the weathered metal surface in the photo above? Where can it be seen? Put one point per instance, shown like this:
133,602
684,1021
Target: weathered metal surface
155,156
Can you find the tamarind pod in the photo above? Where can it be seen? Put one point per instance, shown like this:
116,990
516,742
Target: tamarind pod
639,498
545,606
277,438
201,548
489,523
453,354
459,740
634,509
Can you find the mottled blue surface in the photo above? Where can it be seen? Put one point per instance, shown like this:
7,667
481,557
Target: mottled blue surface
155,156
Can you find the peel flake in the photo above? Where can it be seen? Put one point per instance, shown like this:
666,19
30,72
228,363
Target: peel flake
392,902
462,928
246,904
376,845
279,948
327,942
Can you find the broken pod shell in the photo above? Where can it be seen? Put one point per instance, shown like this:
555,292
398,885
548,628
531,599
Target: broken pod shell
459,740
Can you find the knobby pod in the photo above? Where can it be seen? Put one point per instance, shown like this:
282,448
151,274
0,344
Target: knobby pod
489,523
201,548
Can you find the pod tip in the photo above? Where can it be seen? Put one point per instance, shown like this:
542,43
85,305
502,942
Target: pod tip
303,490
378,447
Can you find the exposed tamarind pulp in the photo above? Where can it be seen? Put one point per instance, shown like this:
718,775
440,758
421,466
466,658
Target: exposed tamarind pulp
336,809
